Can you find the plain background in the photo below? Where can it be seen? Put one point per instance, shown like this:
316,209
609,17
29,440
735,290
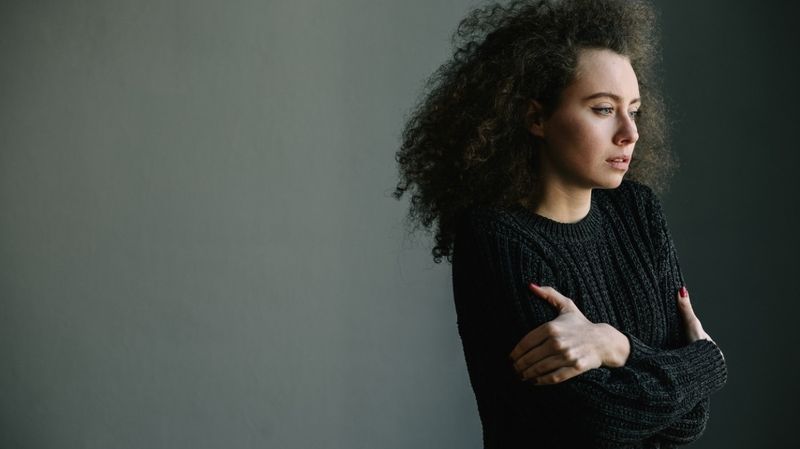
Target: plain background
198,246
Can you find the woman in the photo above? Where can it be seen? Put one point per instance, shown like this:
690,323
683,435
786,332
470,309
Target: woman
576,325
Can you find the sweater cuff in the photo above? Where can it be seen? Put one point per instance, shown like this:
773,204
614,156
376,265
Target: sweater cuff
639,349
702,359
707,362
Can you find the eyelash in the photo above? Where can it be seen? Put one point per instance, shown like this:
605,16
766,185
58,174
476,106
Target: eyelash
634,114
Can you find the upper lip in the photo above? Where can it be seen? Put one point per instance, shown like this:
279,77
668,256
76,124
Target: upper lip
624,157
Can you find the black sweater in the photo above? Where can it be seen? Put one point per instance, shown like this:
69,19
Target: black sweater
620,266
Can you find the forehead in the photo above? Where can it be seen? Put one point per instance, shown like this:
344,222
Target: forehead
604,71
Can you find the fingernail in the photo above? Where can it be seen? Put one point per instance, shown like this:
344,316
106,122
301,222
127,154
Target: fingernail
684,293
534,285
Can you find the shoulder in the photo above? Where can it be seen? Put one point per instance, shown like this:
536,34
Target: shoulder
501,242
645,209
493,223
632,197
636,207
630,191
486,218
492,232
503,235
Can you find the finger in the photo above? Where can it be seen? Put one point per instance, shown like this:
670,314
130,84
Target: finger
685,302
552,296
558,376
544,366
693,327
533,339
534,356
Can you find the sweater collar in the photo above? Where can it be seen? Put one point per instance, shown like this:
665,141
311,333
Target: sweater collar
584,229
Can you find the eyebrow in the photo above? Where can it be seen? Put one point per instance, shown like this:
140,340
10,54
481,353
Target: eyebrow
609,95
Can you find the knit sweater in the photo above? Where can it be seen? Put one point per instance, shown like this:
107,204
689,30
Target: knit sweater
619,265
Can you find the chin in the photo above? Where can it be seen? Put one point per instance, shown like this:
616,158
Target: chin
611,183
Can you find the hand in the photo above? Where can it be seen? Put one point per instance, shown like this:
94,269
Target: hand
694,329
568,345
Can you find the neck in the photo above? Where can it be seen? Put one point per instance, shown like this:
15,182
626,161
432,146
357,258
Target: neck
562,203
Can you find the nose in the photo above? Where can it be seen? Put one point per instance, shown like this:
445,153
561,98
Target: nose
627,133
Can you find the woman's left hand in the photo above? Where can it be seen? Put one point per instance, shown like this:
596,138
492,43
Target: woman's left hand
568,345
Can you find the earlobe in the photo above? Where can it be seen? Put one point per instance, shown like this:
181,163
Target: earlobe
535,122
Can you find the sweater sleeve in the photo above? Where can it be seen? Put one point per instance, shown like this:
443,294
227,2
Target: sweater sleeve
607,407
688,427
692,425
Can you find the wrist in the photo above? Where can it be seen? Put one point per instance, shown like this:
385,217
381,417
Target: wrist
615,346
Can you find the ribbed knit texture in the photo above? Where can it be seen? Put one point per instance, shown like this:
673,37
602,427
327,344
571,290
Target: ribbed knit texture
620,266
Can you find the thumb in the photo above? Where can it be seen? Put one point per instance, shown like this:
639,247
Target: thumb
552,296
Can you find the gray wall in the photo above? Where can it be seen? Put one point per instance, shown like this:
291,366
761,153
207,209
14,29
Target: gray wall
198,248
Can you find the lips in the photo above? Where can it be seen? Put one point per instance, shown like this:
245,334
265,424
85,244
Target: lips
619,162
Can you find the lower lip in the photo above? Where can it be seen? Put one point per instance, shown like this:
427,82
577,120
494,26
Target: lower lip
618,165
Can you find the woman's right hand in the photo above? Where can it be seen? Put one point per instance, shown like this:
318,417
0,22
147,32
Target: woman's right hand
694,329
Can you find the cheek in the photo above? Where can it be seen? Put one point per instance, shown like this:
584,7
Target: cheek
578,136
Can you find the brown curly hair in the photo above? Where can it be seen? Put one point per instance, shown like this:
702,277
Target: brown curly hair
467,141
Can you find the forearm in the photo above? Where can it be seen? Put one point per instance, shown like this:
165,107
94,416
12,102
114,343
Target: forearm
690,426
612,407
685,429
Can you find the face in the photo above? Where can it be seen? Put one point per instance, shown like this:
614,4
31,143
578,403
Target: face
593,123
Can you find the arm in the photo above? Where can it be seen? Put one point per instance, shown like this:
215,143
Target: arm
605,406
603,341
692,425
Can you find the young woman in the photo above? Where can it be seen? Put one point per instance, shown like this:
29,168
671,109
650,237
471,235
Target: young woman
576,325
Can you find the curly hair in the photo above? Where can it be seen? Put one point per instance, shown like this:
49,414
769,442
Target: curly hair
467,142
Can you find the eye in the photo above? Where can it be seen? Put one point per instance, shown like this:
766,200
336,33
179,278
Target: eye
604,110
635,115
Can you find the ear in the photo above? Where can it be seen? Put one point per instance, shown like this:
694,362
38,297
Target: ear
535,120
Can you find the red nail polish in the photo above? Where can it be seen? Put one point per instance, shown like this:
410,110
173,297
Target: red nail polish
684,292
